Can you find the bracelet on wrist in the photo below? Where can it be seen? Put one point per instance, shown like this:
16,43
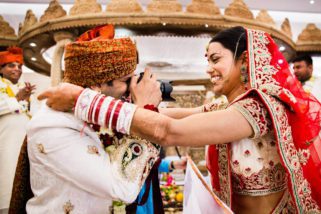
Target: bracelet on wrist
151,107
105,111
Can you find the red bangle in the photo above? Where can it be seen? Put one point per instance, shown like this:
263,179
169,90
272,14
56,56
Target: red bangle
116,115
91,109
151,107
97,110
108,114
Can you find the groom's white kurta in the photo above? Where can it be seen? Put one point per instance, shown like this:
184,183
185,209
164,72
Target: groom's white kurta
70,172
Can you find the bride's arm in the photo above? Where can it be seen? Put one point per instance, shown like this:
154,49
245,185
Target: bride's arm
179,113
196,130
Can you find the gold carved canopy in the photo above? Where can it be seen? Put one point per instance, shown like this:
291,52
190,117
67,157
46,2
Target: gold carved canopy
200,17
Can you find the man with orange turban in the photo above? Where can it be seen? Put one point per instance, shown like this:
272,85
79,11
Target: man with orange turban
14,102
83,168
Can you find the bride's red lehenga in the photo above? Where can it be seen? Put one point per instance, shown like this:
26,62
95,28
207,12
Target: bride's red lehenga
283,156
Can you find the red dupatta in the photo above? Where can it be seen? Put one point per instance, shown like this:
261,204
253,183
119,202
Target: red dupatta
296,131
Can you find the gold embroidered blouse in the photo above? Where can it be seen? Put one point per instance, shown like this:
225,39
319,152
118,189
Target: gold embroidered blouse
255,162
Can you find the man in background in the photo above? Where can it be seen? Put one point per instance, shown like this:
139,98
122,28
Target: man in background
14,105
303,70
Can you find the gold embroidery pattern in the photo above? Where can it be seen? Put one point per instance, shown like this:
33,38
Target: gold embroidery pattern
261,70
93,150
224,173
41,148
255,113
134,158
300,186
266,181
68,207
261,78
304,155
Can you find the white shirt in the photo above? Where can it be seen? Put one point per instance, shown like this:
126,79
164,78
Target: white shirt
69,170
313,86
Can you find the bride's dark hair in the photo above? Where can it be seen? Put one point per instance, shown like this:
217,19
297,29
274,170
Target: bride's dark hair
232,39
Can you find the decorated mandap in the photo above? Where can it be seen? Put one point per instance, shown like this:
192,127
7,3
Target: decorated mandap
163,31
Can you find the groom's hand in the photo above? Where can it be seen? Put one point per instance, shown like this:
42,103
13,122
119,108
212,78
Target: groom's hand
147,91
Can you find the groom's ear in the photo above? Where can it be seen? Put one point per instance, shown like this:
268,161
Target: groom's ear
96,88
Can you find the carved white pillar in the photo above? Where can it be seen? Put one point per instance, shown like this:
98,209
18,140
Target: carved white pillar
62,38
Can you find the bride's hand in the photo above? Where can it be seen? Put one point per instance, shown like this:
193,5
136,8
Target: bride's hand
61,97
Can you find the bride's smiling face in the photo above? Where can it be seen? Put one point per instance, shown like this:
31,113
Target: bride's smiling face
223,70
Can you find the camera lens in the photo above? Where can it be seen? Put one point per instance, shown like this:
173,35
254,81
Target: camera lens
165,87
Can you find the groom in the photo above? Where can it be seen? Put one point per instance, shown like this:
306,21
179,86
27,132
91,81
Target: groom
83,168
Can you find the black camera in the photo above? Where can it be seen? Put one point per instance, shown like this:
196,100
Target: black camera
165,87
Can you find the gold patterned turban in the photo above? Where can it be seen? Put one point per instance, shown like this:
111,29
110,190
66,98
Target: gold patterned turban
96,57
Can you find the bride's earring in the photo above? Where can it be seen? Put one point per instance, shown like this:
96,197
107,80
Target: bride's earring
244,74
